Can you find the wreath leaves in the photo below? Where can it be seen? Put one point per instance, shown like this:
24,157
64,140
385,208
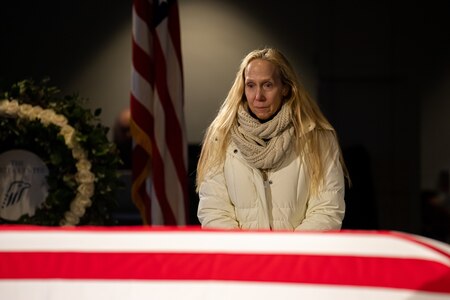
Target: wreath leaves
47,142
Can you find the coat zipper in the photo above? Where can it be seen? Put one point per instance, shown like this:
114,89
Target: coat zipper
266,183
265,178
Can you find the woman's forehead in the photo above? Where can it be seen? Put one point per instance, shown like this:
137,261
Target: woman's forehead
261,69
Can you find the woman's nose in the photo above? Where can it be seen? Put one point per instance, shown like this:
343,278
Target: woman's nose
259,94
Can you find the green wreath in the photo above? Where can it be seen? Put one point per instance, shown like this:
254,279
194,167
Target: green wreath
71,141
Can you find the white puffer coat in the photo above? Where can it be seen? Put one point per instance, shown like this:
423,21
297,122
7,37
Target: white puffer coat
242,197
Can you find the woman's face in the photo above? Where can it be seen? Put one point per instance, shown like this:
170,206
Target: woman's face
263,88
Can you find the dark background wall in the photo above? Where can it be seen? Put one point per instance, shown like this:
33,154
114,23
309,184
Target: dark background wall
373,66
377,62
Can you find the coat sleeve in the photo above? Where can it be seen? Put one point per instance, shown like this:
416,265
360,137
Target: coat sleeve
326,210
215,209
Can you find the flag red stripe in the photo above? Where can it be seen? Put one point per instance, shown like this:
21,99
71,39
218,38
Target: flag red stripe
143,9
159,184
141,63
141,115
151,65
310,269
157,164
174,134
173,139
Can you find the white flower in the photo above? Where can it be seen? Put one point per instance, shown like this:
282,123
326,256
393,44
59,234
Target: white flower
77,208
24,111
71,218
34,113
68,132
84,176
83,164
82,200
46,116
78,153
59,120
3,105
11,107
86,189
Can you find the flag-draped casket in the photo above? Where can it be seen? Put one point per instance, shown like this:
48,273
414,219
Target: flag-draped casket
189,263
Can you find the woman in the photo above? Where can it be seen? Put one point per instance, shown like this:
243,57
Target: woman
270,159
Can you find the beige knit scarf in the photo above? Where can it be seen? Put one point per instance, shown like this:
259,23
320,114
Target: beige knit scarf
263,145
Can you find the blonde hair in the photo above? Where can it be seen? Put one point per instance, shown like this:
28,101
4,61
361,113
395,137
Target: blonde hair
305,111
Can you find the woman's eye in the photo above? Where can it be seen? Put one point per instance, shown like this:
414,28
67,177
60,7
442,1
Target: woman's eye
268,84
250,85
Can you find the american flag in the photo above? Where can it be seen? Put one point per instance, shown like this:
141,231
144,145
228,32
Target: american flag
159,187
137,263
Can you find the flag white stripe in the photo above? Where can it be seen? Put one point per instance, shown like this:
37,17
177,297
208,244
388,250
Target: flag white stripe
156,211
172,187
141,90
146,39
173,79
175,85
159,125
174,191
141,33
197,290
